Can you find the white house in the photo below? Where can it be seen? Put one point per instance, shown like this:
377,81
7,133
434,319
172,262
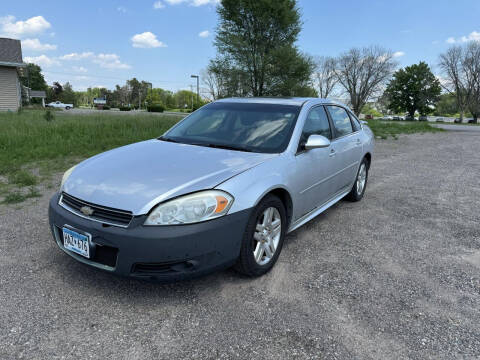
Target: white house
10,61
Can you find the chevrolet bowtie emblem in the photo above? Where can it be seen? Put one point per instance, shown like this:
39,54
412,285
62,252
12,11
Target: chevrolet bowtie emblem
86,210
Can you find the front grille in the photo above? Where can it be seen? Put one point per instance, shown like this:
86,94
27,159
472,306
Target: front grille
99,213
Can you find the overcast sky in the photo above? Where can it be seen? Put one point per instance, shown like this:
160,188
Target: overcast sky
92,43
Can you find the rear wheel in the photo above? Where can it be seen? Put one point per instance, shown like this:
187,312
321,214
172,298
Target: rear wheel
67,108
358,189
263,237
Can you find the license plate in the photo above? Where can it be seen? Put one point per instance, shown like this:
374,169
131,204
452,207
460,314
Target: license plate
76,242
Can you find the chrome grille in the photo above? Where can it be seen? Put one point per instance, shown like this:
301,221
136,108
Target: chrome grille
96,212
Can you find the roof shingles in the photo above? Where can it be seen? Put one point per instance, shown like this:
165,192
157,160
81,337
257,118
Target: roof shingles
10,51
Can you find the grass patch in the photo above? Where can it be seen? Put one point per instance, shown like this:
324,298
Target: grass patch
28,141
22,178
386,129
16,197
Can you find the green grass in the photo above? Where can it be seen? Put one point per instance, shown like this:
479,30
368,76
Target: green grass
386,129
28,143
16,197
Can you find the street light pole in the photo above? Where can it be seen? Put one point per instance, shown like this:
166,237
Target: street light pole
198,87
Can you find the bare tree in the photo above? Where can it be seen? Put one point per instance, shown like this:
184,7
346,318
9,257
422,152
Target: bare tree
363,73
461,67
325,76
212,83
451,64
471,66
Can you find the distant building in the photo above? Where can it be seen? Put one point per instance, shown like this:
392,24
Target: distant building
10,62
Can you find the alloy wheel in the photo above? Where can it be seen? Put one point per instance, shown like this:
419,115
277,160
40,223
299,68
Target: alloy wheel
267,235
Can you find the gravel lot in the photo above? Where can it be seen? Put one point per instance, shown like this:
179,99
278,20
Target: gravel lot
394,276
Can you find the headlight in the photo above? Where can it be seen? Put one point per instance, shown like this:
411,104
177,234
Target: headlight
201,206
66,175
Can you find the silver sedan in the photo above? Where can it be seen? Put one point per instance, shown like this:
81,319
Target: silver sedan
221,188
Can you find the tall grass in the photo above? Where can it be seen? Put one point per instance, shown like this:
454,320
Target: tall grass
385,129
27,138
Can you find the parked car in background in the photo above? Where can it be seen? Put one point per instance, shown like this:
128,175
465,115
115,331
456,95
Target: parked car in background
439,119
222,187
368,117
470,121
409,118
388,117
422,118
457,120
60,105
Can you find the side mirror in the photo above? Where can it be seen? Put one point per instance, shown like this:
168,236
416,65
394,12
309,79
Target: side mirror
316,142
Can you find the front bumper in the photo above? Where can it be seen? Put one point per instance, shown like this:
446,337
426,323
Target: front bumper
165,253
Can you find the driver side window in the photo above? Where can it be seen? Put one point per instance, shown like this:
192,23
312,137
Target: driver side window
316,123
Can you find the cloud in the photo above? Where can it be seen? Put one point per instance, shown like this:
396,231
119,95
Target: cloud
42,60
78,56
193,2
146,40
122,9
158,5
110,61
17,29
79,69
204,34
398,54
473,36
36,45
107,61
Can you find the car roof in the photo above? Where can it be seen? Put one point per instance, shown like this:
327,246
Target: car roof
298,101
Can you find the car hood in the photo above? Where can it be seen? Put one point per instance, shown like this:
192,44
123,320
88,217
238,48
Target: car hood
137,177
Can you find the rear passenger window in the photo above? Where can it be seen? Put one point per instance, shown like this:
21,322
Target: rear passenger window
341,120
316,124
355,122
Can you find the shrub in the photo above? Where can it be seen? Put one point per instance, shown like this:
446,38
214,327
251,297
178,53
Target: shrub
106,107
156,108
125,108
49,116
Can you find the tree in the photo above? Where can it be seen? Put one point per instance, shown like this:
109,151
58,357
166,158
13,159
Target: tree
32,77
256,43
412,89
461,68
325,76
67,96
446,105
363,72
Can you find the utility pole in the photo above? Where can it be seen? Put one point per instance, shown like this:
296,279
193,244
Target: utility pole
191,90
198,87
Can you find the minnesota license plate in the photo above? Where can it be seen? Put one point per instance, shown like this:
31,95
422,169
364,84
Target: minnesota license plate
76,242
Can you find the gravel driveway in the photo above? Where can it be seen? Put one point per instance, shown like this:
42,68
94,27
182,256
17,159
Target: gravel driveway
394,276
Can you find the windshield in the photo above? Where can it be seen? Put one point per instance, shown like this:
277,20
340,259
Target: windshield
264,128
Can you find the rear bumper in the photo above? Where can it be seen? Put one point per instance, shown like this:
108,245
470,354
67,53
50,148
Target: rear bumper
164,253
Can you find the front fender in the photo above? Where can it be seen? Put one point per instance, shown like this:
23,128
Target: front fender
249,187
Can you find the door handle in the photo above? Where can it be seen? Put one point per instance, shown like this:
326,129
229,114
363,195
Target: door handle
332,153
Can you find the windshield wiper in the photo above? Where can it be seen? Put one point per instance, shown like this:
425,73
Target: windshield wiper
227,147
163,138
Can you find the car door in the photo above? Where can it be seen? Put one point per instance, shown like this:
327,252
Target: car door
314,167
347,146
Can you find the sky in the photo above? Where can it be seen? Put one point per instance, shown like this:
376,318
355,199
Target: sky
103,43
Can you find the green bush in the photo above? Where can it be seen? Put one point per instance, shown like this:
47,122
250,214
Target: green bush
125,108
106,107
156,108
49,116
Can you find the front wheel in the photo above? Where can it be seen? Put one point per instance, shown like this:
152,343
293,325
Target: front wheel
358,189
67,108
263,237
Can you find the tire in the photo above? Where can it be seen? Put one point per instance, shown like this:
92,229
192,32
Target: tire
357,192
254,259
67,108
